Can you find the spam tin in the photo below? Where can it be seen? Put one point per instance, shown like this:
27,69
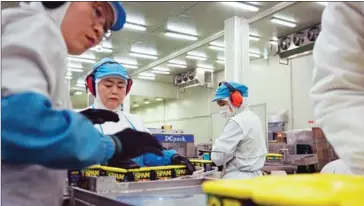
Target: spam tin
92,171
74,177
118,173
274,157
168,172
292,190
139,175
206,164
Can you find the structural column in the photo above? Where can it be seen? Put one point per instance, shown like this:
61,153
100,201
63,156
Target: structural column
236,33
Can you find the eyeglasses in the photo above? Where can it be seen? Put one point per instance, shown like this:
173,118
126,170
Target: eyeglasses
100,15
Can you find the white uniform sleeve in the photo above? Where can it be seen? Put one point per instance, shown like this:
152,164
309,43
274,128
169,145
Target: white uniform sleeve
227,143
338,81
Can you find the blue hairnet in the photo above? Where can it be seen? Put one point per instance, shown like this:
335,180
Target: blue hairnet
119,15
109,67
223,91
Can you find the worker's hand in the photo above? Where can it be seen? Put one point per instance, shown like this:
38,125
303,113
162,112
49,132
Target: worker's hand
125,164
131,143
180,160
100,116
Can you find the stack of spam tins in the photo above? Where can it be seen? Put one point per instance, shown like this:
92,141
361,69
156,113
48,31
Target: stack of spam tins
292,190
206,164
75,177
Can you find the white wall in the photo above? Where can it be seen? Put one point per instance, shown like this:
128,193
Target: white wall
302,81
281,87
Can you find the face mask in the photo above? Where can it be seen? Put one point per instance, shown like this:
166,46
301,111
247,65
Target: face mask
225,112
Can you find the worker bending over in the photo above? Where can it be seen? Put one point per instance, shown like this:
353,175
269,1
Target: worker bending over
242,141
39,138
109,82
338,81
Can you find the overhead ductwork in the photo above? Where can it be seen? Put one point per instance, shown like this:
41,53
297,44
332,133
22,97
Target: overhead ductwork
298,42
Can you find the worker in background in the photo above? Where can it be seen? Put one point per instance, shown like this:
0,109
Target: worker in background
338,81
242,141
40,139
109,82
336,167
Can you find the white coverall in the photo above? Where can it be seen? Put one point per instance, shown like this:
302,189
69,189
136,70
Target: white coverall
338,81
44,47
244,145
336,167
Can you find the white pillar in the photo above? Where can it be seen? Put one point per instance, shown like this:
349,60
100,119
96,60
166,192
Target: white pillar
236,33
126,104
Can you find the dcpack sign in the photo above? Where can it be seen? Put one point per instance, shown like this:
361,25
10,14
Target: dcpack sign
175,138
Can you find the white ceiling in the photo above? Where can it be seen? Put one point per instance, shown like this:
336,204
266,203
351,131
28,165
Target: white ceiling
201,18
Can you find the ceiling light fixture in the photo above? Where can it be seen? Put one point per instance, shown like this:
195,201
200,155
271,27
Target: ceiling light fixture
205,66
76,66
146,78
220,61
128,66
160,72
78,93
177,65
241,6
145,56
254,38
146,101
68,77
147,74
282,22
161,69
214,43
74,70
135,105
180,36
254,54
102,49
273,42
205,69
134,26
216,48
158,99
84,60
196,57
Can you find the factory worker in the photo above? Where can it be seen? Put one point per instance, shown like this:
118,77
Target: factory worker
336,167
39,138
242,140
338,81
109,82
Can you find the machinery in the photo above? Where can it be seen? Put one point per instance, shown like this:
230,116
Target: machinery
299,42
276,126
194,77
184,144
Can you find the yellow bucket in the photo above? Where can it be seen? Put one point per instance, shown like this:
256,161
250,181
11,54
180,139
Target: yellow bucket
292,190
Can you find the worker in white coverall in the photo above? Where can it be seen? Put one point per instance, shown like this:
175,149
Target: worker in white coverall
338,81
336,167
39,139
242,141
109,83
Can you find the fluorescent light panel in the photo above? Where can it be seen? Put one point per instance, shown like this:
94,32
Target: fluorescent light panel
176,65
282,22
160,72
196,57
216,48
145,56
241,6
134,26
147,78
75,70
180,36
128,66
146,74
273,42
84,60
254,54
220,61
322,3
158,99
210,70
161,69
102,49
254,38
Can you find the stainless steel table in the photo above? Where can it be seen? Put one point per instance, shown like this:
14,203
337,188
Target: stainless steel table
106,192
